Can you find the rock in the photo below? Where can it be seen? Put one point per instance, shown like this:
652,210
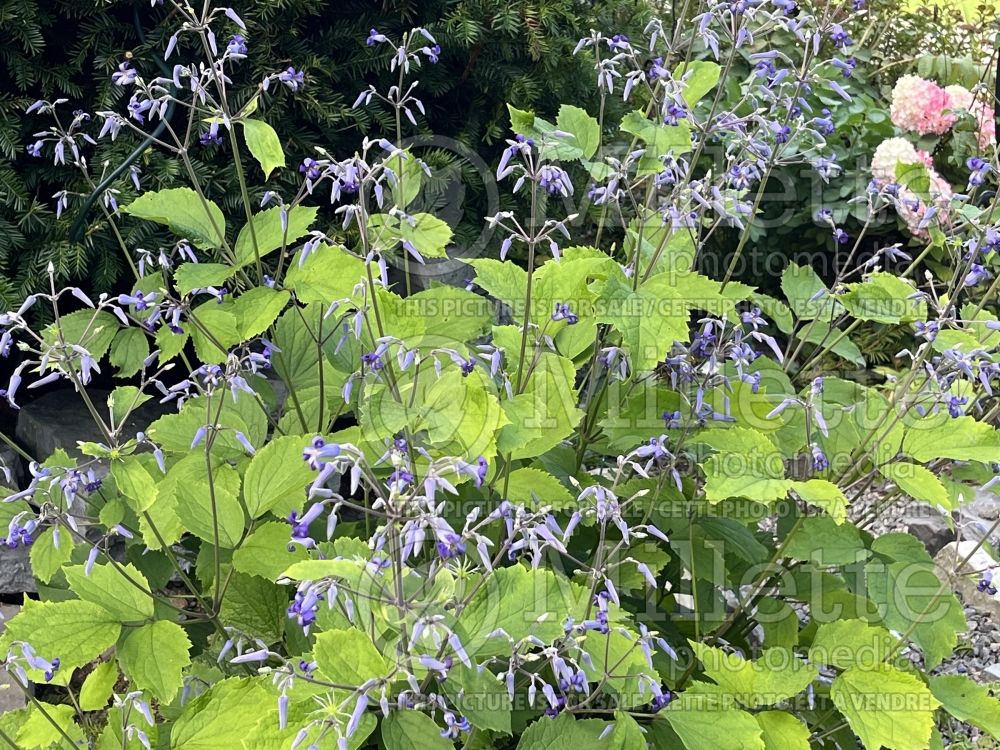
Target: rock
11,697
965,581
930,528
986,506
10,461
15,570
992,672
60,419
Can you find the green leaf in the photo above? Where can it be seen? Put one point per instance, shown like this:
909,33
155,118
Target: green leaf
747,464
94,330
620,666
702,724
129,350
961,439
659,139
884,298
535,488
108,587
123,400
918,482
96,690
480,697
264,144
266,552
184,212
40,729
412,730
968,702
850,643
75,632
772,678
277,476
191,276
269,233
219,718
627,734
426,232
329,274
699,77
256,606
257,309
545,413
885,707
209,510
822,540
348,657
154,657
825,495
134,482
47,556
649,320
917,177
522,602
585,129
807,295
563,733
782,731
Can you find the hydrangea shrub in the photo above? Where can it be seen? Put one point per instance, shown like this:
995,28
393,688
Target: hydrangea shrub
600,500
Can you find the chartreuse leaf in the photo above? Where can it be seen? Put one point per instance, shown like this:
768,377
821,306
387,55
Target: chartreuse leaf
191,276
210,510
126,598
412,730
96,690
112,737
123,399
747,464
257,309
772,678
522,602
807,295
128,351
850,643
94,330
704,723
822,540
535,488
348,657
968,702
266,552
268,233
428,234
134,482
585,130
659,139
185,213
699,77
220,716
277,476
75,631
619,665
961,438
883,298
918,482
174,432
916,176
256,606
825,495
264,144
649,319
50,552
885,707
154,657
782,731
545,413
480,697
329,274
563,733
42,730
627,734
506,282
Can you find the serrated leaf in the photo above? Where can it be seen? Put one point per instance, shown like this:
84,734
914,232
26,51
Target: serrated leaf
42,730
782,731
918,482
535,488
48,555
277,476
134,482
885,707
968,702
585,129
269,233
128,350
348,657
264,144
255,606
184,212
563,733
412,730
825,495
219,717
191,276
772,678
480,697
209,510
850,643
96,689
961,439
747,464
267,552
822,540
108,587
699,77
154,656
702,724
74,631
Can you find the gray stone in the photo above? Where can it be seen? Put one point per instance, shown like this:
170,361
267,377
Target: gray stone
931,529
964,581
60,419
11,462
11,696
992,672
986,506
15,570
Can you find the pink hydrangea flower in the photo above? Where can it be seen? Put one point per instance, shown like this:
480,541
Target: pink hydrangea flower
983,112
894,151
921,106
890,152
960,97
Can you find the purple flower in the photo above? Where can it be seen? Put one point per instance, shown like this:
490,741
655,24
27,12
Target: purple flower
562,312
294,79
454,725
450,545
319,452
125,75
237,47
820,461
985,585
433,53
840,38
374,37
